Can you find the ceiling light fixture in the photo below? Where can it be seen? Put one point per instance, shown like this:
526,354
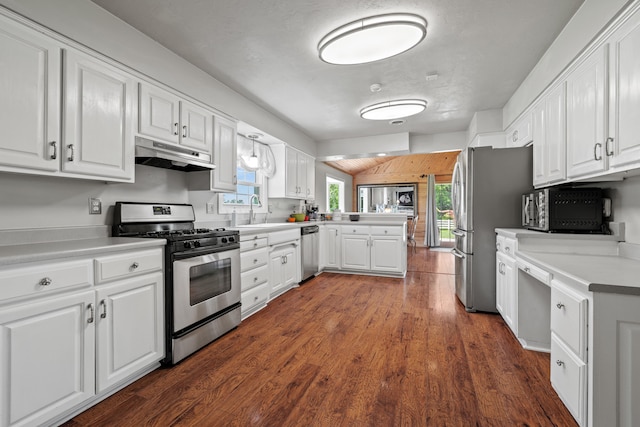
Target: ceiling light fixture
391,110
253,161
372,39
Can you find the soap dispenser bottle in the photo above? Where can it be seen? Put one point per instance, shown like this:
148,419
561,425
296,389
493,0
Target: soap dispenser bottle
234,218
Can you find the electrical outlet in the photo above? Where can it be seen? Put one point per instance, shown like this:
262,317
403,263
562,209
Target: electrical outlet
95,206
211,207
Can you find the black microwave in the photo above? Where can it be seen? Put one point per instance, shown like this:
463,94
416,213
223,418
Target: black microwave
577,210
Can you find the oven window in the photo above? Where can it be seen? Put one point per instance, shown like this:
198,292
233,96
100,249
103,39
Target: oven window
209,280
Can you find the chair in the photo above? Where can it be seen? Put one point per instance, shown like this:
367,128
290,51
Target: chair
411,233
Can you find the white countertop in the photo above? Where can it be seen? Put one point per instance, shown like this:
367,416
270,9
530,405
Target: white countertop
599,273
17,254
277,226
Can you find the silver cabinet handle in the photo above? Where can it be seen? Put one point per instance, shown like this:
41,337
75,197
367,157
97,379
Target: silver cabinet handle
255,279
527,269
255,260
45,281
72,155
235,179
498,246
184,131
255,299
607,149
175,128
103,304
55,150
91,313
560,306
515,136
134,266
255,244
507,249
595,151
559,362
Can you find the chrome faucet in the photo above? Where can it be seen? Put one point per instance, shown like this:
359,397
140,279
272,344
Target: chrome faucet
252,216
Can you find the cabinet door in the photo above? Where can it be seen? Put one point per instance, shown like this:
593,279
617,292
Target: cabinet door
291,173
98,117
624,126
556,136
276,280
301,173
386,253
159,114
586,120
500,286
539,144
30,100
130,324
332,248
510,294
224,176
290,267
47,358
355,252
311,178
196,129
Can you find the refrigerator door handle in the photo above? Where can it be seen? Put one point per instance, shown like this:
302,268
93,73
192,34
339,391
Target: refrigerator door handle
457,233
457,253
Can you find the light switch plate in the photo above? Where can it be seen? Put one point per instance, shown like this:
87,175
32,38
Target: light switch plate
211,207
95,206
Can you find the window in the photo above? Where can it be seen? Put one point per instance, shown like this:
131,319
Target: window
249,183
335,194
445,212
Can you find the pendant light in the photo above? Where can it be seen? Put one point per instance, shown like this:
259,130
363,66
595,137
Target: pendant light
372,39
253,161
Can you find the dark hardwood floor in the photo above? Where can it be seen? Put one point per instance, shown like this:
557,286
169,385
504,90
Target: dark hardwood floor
348,350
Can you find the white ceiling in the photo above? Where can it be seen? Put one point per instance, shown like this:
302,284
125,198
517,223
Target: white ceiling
266,50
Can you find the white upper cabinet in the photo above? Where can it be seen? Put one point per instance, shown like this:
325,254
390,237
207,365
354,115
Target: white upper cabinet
98,116
30,100
520,132
295,174
549,138
167,117
586,116
623,147
225,155
95,112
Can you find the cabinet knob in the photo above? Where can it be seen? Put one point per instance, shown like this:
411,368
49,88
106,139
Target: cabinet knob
507,249
255,260
46,281
255,244
559,362
560,306
255,299
527,269
515,136
498,246
134,266
255,279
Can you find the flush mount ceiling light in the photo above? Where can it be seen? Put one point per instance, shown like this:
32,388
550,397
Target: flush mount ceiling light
372,39
391,110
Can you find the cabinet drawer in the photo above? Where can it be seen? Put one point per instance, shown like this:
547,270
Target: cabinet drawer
251,237
534,271
255,296
377,230
569,378
506,245
252,278
253,259
258,242
34,279
569,317
127,265
355,229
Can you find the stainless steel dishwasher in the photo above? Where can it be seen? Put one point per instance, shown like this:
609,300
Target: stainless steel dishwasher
310,251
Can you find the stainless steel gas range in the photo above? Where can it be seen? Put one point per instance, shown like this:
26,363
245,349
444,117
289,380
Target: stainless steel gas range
202,273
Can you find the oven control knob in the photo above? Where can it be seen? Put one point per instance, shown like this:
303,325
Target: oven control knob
188,244
196,244
232,239
224,240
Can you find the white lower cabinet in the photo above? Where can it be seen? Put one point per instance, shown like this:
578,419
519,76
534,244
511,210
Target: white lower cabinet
66,341
284,265
254,269
47,359
506,281
569,378
331,248
380,249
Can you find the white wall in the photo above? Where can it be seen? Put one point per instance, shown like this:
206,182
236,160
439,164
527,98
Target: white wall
625,197
29,201
322,171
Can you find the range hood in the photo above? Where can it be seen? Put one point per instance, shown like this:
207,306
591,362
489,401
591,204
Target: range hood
167,156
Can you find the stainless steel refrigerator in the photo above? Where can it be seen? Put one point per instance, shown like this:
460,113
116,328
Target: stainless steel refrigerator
486,190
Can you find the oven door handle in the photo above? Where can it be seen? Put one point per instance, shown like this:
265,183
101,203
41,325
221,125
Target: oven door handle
192,253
